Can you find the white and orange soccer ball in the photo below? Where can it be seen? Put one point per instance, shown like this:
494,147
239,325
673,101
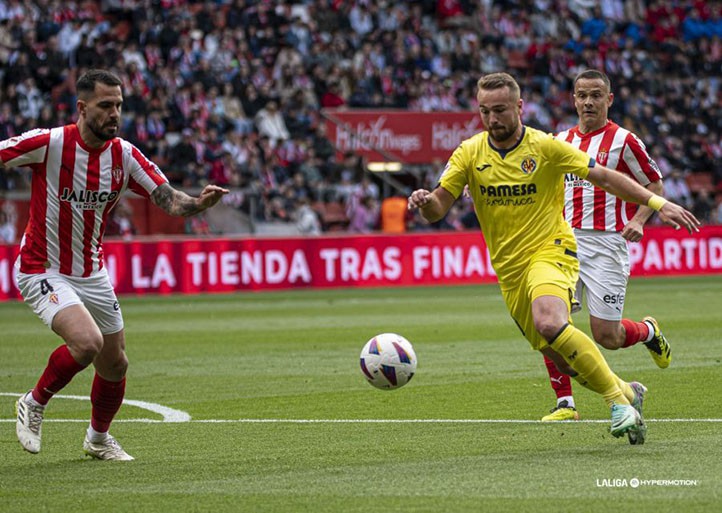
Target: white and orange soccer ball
388,361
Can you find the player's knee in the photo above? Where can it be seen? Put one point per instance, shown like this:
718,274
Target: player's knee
112,367
85,347
548,328
120,366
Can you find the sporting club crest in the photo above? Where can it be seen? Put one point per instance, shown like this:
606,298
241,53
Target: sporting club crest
602,156
117,174
528,165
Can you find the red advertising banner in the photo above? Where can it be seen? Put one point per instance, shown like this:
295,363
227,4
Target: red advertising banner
228,264
407,137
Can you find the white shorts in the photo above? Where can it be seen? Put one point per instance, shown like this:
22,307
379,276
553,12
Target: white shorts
603,273
50,292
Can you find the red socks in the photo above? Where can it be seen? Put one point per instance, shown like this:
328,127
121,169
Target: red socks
61,368
635,332
106,397
561,383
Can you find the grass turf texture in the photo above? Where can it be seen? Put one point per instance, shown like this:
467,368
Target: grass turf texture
294,355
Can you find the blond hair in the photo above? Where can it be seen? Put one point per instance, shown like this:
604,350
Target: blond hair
497,81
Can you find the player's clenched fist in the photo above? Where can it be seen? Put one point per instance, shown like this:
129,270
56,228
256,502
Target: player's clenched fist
419,198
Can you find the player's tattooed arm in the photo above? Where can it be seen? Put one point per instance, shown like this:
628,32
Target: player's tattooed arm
178,203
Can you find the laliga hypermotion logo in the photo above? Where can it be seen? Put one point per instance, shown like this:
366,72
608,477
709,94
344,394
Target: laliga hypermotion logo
528,165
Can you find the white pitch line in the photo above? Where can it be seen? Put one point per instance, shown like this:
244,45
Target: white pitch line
376,421
168,414
178,416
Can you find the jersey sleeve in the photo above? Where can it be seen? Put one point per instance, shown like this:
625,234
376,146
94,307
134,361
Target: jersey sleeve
26,149
145,176
454,178
569,159
638,162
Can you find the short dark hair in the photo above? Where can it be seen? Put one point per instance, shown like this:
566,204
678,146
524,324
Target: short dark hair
592,74
86,83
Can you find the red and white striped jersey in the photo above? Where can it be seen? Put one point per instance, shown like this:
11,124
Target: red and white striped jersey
591,208
74,188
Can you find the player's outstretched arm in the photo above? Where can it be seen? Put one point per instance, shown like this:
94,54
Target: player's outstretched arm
633,231
432,205
627,189
178,203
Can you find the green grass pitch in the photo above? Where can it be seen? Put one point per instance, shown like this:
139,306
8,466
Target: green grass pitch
244,366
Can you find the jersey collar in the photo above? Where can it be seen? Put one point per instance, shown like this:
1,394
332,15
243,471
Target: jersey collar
503,152
595,132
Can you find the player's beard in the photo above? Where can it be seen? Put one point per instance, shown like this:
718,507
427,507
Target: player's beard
105,132
501,134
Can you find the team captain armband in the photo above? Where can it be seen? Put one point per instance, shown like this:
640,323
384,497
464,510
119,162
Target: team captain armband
656,202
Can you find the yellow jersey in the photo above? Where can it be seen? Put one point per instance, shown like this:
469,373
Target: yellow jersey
518,195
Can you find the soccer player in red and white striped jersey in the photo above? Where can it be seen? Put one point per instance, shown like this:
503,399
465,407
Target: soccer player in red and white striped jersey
602,225
79,172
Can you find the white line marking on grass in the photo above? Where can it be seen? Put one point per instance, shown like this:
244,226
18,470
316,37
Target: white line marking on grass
168,414
171,415
422,421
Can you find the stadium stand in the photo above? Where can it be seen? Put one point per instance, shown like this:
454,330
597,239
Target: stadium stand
231,91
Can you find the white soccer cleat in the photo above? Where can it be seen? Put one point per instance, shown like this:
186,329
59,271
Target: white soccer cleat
29,424
109,449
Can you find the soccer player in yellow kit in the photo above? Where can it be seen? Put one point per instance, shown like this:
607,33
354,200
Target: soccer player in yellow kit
515,175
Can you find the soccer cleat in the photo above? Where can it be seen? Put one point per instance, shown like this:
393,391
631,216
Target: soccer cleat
639,392
624,419
109,449
560,412
29,424
637,437
658,347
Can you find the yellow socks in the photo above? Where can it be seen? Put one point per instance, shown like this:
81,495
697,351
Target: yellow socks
583,355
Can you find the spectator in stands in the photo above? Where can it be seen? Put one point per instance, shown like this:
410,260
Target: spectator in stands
198,225
269,122
7,228
717,218
121,221
394,214
418,55
676,189
183,159
307,221
232,111
703,205
364,215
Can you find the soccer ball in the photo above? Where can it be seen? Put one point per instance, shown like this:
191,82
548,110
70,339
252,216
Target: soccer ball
388,361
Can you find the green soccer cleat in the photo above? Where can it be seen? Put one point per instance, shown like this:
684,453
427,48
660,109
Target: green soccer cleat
561,412
658,347
624,419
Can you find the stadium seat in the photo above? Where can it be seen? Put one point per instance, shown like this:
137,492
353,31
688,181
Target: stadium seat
700,180
334,216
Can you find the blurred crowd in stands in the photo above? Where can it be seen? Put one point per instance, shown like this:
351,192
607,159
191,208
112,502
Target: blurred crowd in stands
232,91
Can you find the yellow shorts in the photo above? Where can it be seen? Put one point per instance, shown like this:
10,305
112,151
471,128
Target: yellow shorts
553,271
